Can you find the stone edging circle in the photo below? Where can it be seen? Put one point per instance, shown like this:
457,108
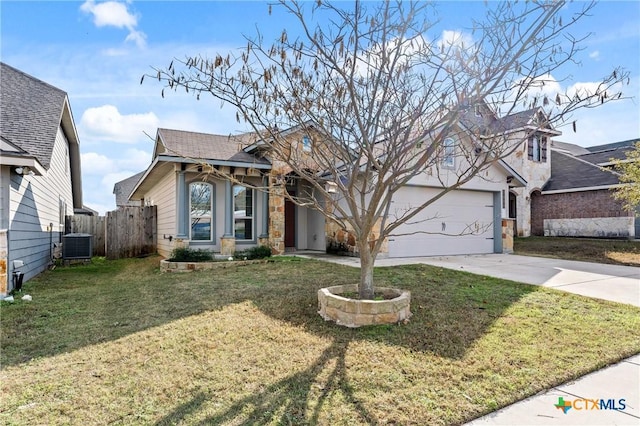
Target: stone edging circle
355,313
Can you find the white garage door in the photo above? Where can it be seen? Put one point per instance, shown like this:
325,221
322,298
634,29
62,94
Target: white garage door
459,223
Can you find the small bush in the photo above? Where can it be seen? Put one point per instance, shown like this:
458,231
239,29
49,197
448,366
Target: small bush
252,253
186,254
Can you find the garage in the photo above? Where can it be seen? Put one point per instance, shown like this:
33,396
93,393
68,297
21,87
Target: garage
470,213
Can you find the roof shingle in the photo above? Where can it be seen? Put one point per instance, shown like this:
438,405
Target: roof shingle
568,172
30,112
207,146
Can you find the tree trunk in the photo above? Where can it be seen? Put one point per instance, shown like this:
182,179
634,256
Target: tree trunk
367,260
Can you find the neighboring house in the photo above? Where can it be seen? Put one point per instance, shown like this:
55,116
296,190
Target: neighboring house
123,189
577,199
40,180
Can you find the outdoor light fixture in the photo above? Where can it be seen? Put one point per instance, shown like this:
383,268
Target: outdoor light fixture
24,170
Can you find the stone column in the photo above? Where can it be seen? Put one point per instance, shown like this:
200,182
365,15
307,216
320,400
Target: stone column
276,218
263,239
507,235
4,262
228,240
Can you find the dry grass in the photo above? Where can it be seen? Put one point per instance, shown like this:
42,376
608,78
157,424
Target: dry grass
617,252
118,342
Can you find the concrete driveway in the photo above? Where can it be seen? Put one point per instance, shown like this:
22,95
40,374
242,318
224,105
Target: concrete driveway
609,282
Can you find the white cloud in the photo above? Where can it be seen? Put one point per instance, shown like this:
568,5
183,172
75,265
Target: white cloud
138,37
107,123
612,122
134,159
595,55
96,164
115,14
454,40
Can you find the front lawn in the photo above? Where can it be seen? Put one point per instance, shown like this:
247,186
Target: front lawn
119,342
616,252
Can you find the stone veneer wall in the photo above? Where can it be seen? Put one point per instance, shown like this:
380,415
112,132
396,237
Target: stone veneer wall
599,227
276,219
342,241
4,259
584,214
507,235
227,246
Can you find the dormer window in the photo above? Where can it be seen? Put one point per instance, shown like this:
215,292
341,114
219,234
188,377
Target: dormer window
537,148
306,143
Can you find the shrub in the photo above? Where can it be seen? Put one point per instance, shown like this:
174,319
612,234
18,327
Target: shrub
259,252
186,254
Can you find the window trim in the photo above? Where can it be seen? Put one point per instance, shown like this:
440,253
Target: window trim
210,217
306,143
448,153
537,145
245,217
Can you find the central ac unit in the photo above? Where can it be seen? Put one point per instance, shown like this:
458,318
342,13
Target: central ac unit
77,246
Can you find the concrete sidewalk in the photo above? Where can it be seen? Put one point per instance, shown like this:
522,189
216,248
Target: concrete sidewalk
617,382
609,282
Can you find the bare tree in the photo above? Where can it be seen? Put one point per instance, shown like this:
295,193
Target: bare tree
382,98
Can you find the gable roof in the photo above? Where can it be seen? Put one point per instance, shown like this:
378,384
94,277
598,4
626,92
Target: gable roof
31,111
123,189
193,145
602,154
571,173
487,123
568,148
179,147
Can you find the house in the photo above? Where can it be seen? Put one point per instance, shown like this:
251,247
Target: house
40,180
123,189
577,200
199,208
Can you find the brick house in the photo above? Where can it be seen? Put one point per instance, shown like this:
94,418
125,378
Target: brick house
577,200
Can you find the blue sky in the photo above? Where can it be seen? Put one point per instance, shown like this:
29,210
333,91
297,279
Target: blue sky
98,51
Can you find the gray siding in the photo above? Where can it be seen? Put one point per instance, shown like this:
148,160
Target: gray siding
34,204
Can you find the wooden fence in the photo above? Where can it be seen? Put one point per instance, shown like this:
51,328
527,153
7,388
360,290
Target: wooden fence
94,225
126,232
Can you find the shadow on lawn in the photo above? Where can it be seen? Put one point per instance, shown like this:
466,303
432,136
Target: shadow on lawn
74,308
275,402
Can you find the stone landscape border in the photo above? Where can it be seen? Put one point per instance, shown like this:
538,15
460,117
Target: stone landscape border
355,313
169,266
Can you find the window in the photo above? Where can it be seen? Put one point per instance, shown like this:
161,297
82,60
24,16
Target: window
243,212
201,211
448,159
537,148
62,216
306,143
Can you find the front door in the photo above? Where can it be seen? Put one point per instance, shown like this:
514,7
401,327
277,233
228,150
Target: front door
289,224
